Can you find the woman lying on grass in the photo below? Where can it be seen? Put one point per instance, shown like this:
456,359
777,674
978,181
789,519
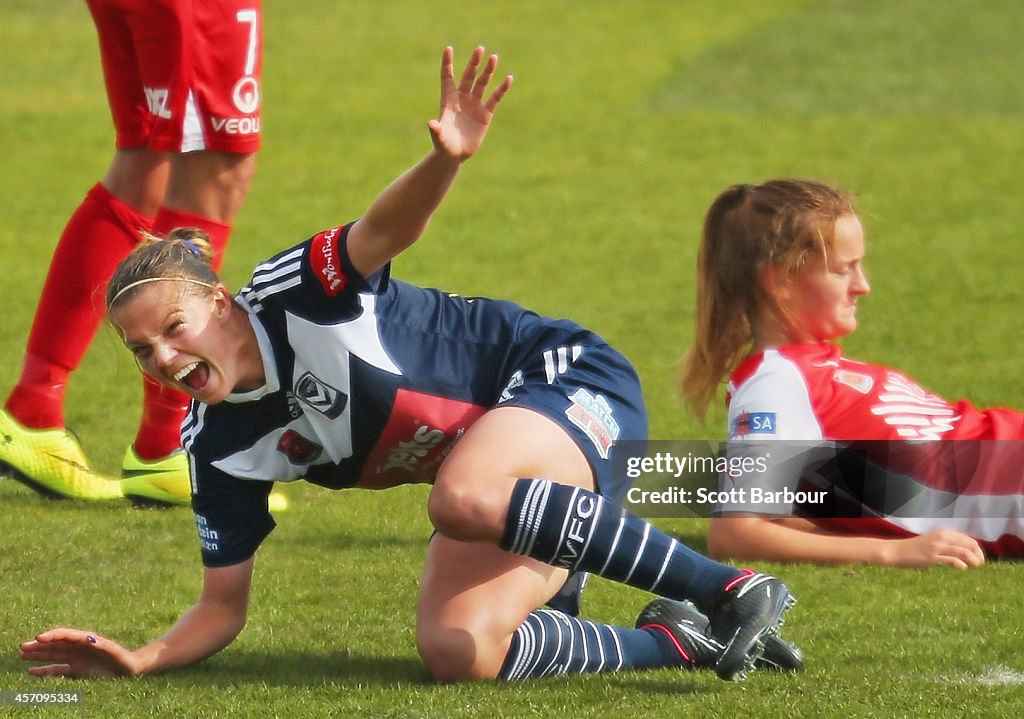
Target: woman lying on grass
780,271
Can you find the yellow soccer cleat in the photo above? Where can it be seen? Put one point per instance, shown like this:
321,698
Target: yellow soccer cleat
51,462
162,481
167,482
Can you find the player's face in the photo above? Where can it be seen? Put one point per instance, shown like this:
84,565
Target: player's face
821,300
181,338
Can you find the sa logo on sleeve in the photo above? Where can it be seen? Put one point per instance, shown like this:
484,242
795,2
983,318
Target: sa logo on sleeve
747,423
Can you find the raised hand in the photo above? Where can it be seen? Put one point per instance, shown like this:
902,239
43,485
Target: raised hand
465,115
77,653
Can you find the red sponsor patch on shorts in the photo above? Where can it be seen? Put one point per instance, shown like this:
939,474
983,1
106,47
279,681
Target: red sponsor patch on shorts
326,261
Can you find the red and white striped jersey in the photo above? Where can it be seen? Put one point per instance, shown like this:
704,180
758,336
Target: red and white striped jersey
811,393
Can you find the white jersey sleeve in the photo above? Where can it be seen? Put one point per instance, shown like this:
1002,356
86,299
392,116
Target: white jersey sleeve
773,434
773,403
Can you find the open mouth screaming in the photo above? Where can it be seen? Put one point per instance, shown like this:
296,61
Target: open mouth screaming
194,375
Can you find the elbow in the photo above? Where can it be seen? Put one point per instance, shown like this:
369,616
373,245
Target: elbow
236,628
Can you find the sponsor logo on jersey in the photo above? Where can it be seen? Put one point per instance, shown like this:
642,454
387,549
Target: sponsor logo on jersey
860,382
246,95
208,538
319,395
593,415
157,101
514,383
419,435
297,448
294,408
236,125
324,259
747,423
406,455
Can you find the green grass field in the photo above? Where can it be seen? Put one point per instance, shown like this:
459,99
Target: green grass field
626,119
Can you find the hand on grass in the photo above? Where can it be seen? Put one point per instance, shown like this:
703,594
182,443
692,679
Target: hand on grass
77,653
465,115
942,546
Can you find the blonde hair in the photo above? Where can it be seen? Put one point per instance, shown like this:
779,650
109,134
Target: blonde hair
749,228
184,255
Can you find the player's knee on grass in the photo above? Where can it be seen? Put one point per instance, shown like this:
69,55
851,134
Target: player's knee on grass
458,654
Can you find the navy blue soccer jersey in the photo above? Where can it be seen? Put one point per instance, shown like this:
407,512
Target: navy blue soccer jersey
370,382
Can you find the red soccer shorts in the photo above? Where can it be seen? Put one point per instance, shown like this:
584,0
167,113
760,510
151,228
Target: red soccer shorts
182,75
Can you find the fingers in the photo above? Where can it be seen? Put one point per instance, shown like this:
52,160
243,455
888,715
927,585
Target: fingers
66,649
469,74
499,92
64,634
964,549
447,69
52,670
480,85
970,554
471,82
55,652
952,561
956,549
947,547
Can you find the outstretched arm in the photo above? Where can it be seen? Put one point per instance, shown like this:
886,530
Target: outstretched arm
209,626
797,540
400,214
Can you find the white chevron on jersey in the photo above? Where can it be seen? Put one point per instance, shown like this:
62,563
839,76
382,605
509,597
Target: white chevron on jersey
324,350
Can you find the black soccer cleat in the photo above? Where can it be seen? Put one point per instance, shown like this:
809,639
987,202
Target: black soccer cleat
743,615
780,655
690,629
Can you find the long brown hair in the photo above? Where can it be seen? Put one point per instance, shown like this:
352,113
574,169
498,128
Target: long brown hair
748,228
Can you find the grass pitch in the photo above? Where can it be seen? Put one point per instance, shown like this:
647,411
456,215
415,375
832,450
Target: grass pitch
626,119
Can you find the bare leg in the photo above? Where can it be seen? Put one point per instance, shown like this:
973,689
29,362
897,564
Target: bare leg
473,598
475,595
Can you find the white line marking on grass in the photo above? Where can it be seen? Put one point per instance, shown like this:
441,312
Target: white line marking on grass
997,676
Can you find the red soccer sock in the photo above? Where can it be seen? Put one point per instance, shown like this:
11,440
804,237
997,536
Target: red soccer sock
100,233
163,409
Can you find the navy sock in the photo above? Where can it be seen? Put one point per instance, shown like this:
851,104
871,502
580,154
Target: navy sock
580,530
550,643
